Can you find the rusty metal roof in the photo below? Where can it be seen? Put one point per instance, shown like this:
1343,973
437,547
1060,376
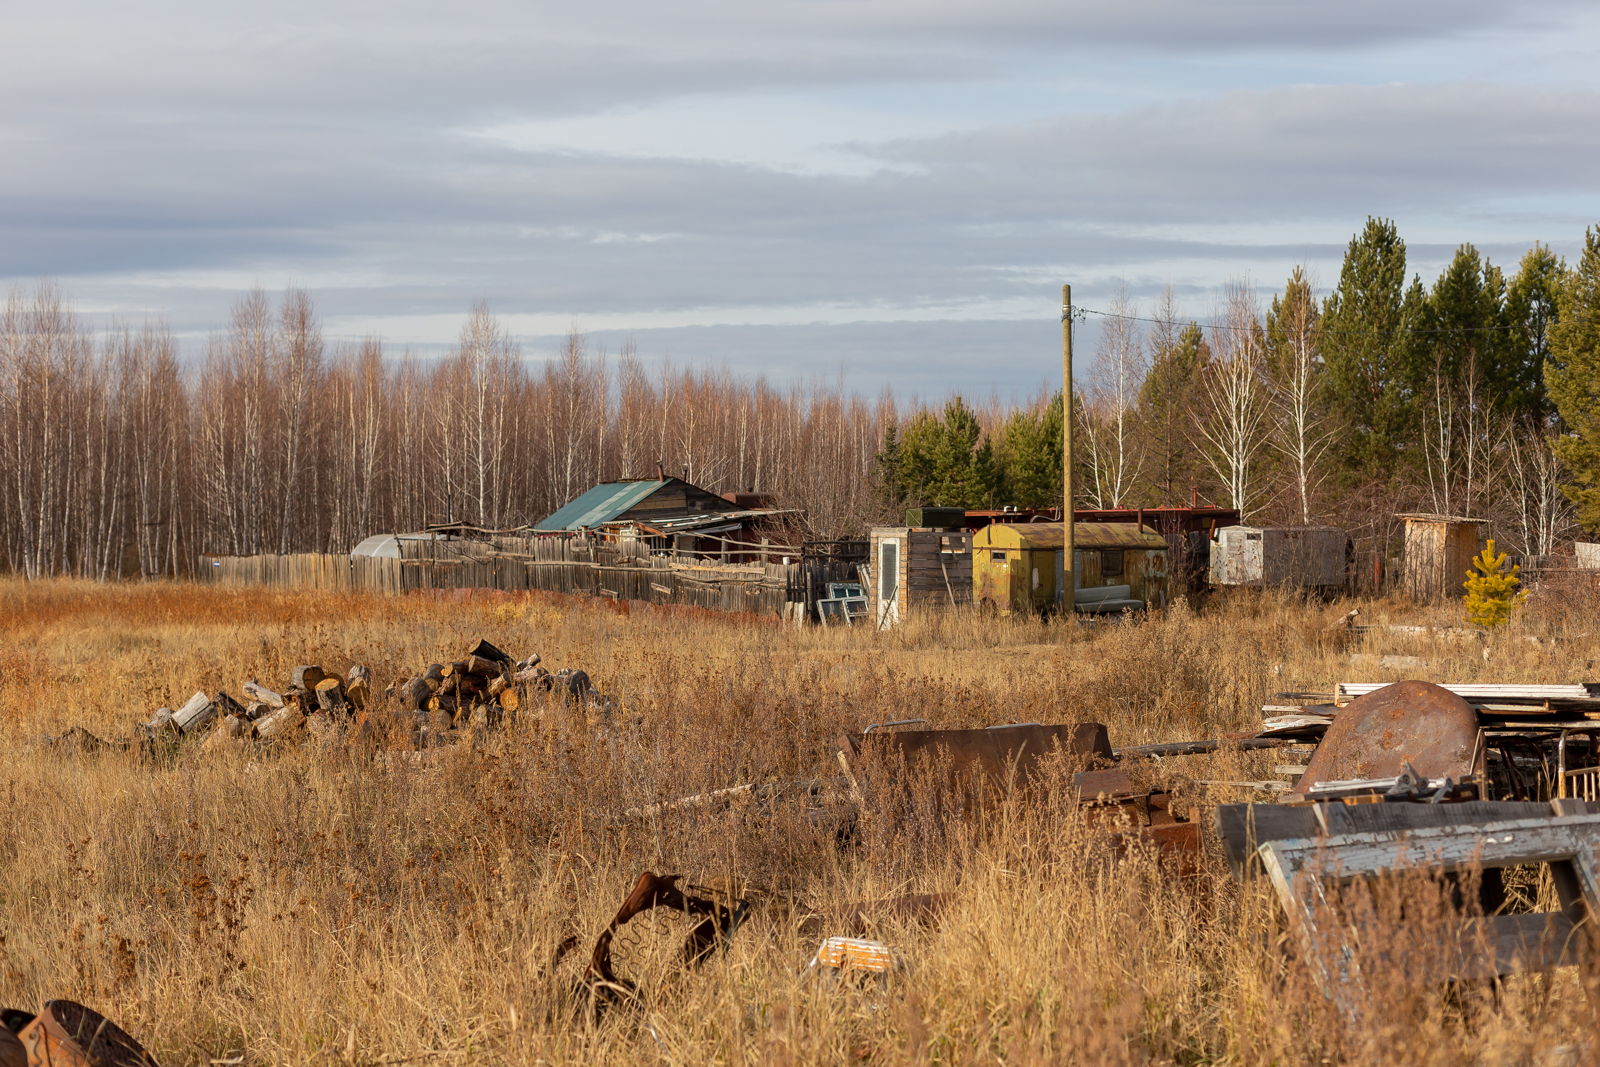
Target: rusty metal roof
1036,535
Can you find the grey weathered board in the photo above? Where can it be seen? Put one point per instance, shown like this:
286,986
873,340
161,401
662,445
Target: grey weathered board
1369,840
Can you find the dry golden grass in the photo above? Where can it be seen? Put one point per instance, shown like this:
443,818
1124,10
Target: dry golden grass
324,906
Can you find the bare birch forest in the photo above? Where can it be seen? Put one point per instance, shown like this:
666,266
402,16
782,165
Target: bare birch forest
122,458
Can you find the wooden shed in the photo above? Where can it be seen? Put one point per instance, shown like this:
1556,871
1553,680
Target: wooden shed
1298,557
1439,551
1021,566
918,569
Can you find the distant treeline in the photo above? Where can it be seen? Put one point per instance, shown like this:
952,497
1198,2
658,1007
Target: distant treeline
119,459
1475,395
1478,395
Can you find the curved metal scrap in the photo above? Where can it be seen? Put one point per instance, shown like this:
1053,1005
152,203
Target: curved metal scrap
1376,735
652,890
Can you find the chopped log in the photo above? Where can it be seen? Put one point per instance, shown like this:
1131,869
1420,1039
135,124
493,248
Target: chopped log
226,705
434,674
232,730
358,685
330,695
198,712
498,686
509,700
472,684
483,667
255,689
163,721
530,663
529,675
417,693
257,710
484,650
281,724
306,676
458,667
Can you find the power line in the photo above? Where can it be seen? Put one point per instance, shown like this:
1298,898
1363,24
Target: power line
1078,312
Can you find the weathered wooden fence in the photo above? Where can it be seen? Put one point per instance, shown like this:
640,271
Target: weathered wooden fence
559,565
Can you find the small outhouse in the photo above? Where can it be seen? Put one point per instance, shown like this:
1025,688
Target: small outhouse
1020,567
1298,557
918,568
1439,551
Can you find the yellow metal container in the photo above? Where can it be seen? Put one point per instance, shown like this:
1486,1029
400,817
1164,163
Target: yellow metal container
1020,567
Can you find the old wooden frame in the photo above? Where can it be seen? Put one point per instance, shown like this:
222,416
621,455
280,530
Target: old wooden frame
1364,841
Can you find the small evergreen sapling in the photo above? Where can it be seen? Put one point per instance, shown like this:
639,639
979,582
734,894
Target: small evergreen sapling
1492,593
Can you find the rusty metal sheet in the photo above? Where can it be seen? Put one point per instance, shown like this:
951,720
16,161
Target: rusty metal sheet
993,753
1374,736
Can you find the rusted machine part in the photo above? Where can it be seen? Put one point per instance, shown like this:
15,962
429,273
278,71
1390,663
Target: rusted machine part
1145,814
661,891
1374,736
994,752
67,1034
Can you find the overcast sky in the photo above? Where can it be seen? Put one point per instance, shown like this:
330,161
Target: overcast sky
892,188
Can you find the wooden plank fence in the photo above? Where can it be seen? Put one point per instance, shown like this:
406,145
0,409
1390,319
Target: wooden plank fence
559,565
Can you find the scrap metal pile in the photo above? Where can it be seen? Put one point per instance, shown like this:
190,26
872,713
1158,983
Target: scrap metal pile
1447,784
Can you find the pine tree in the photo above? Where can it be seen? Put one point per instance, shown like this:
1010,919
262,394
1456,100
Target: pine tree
1030,458
1168,400
1572,376
1492,593
1462,329
1368,355
886,461
1531,306
945,462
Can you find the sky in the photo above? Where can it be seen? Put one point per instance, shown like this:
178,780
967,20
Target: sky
893,191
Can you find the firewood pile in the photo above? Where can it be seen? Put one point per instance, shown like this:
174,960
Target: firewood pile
477,691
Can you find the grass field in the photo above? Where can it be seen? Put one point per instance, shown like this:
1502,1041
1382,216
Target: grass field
328,905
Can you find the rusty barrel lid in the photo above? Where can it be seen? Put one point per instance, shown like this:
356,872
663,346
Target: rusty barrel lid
1413,722
67,1034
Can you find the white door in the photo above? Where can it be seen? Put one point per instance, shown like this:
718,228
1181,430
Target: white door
888,599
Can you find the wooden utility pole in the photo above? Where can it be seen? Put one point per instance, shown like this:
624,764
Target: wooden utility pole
1068,539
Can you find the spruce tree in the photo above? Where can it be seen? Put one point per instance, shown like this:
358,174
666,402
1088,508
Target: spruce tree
1572,376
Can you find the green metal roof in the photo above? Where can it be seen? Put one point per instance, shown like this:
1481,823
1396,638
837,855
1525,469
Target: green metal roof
606,502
